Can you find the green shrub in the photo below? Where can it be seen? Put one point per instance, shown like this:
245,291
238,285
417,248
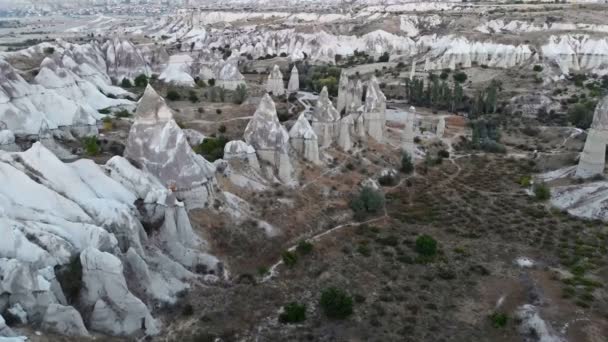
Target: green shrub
212,149
104,111
336,303
384,58
538,68
211,82
91,145
499,320
581,114
407,166
173,95
368,202
304,247
460,77
240,94
525,181
426,246
141,81
542,192
126,83
289,258
122,114
222,129
293,313
193,97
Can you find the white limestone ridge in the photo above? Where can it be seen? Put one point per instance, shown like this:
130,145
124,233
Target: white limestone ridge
178,71
521,26
7,141
374,114
53,214
270,139
24,107
159,145
408,134
304,140
124,60
325,120
275,84
578,52
294,81
593,159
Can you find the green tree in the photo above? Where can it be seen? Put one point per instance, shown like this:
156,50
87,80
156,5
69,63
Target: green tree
542,192
426,246
460,77
581,114
336,303
293,313
407,166
240,94
141,81
368,202
91,145
212,149
384,57
173,95
126,83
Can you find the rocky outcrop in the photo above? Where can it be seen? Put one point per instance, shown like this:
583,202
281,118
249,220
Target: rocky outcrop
294,81
440,127
228,75
343,91
64,320
578,52
24,107
325,120
240,150
304,140
158,144
270,139
275,85
7,141
374,113
408,134
345,131
103,279
593,159
178,71
124,60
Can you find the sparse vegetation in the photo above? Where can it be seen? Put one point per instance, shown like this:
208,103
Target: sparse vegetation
499,320
368,202
91,146
542,192
289,258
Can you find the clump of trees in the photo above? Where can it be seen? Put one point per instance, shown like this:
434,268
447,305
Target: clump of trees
486,136
212,149
368,202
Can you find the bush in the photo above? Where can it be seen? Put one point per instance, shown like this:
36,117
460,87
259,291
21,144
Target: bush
368,202
542,192
141,81
443,154
289,258
460,77
499,320
240,94
304,247
581,114
222,129
407,166
426,246
173,95
212,149
122,114
293,313
126,83
336,303
538,68
49,50
91,145
211,82
193,97
218,111
384,58
107,123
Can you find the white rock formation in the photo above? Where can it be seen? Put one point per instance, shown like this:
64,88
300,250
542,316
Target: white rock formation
7,141
408,134
124,314
294,81
270,139
64,320
342,92
578,52
304,140
275,84
240,150
593,159
228,75
178,71
52,213
440,127
325,120
124,60
374,114
346,126
158,144
413,70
